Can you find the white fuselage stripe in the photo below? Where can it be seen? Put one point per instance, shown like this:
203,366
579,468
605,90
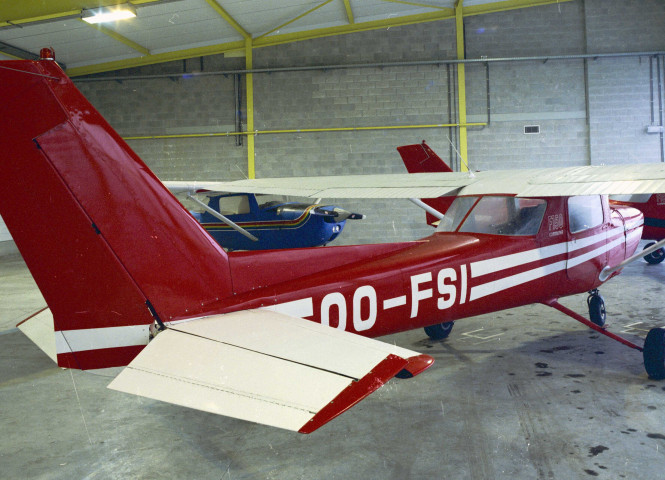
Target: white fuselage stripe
488,288
493,265
97,338
394,302
302,308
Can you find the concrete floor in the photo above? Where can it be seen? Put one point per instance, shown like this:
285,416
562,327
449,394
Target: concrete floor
526,393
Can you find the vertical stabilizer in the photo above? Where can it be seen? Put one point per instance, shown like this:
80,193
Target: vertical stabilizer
109,247
420,158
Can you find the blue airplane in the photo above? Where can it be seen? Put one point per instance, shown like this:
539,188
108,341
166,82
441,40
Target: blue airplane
243,221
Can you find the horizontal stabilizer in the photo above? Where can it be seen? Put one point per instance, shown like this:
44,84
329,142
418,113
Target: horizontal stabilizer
39,328
264,367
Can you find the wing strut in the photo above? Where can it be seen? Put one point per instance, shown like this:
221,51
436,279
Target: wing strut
427,208
221,217
607,272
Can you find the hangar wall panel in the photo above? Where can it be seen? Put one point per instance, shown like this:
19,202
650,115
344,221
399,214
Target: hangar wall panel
620,109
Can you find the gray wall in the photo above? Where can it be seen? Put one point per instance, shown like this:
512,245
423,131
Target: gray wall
589,112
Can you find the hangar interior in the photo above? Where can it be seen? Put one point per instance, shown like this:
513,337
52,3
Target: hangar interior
519,394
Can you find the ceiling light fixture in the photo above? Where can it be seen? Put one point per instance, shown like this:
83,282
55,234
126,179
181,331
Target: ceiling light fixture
109,14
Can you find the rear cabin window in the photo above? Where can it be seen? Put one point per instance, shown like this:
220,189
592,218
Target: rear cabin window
233,205
495,215
584,212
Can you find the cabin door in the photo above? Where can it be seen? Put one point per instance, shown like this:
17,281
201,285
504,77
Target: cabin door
587,239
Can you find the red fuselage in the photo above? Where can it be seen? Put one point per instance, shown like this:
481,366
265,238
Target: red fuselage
447,276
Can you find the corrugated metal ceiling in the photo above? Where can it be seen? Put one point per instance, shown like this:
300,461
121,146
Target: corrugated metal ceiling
167,30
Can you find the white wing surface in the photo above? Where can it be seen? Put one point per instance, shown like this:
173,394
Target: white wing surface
610,179
265,367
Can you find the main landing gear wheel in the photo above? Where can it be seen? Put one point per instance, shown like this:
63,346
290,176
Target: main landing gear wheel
654,353
439,331
596,305
655,257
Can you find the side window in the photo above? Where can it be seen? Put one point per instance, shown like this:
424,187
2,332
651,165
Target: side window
233,204
584,212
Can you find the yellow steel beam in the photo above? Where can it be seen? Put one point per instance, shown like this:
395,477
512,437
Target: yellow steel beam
295,19
461,84
249,64
305,35
506,5
416,4
356,27
40,18
11,56
156,58
349,12
251,134
229,19
120,38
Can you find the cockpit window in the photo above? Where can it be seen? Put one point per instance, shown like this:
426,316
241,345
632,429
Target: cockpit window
495,215
584,212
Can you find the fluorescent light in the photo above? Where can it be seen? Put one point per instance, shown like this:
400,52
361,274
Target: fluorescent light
109,14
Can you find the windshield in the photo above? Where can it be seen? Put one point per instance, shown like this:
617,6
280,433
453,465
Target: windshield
495,215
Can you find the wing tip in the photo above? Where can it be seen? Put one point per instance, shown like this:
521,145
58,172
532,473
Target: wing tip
356,391
416,365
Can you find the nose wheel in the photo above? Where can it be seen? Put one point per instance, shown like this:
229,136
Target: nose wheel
654,353
656,256
596,305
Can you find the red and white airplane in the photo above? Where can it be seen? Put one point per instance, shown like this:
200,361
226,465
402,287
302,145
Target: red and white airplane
280,337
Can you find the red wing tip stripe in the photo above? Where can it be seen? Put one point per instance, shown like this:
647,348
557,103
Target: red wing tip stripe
418,364
356,391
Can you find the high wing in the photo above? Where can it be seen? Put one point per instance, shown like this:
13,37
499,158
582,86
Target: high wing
265,367
586,180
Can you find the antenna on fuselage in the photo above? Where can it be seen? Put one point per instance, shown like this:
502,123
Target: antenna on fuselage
471,175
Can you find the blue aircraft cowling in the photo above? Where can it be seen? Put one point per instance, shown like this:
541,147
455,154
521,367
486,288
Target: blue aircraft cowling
276,224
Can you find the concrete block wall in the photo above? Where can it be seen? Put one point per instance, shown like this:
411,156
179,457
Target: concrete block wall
551,94
620,109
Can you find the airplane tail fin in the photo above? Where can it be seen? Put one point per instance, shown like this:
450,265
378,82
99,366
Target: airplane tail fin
420,158
110,248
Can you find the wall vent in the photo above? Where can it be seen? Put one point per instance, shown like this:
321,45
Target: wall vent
531,129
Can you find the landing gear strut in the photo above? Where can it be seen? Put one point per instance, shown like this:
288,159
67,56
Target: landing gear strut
439,331
596,306
653,351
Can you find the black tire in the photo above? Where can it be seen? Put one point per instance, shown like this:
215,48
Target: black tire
597,312
654,354
439,331
655,257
